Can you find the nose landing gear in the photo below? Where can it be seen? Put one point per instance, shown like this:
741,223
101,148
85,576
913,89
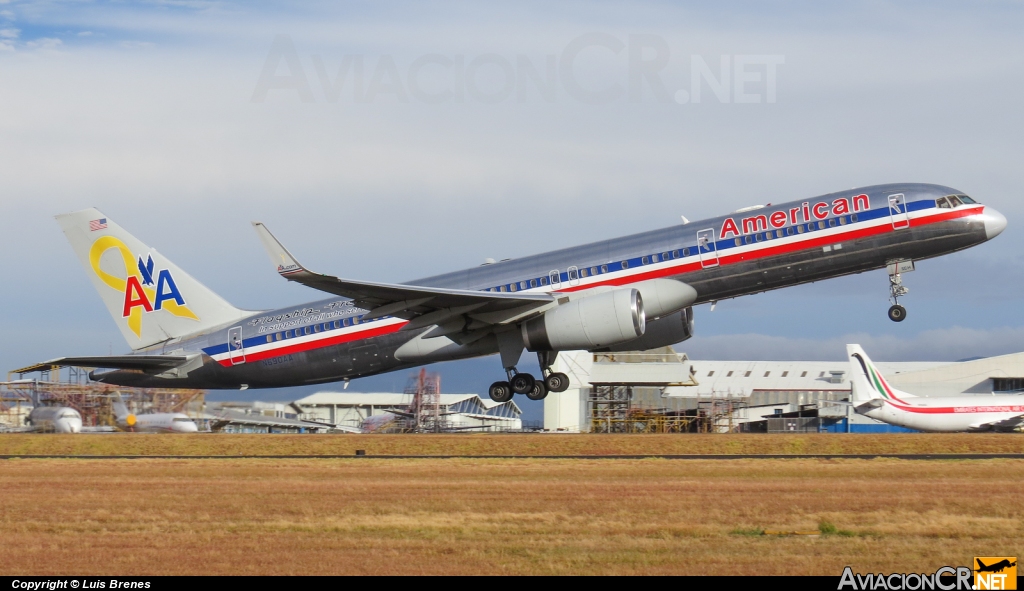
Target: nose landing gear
898,313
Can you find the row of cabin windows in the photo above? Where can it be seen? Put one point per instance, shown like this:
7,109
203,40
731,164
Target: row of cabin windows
298,332
785,374
574,274
798,229
554,278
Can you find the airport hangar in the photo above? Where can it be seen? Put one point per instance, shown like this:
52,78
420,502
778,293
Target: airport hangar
665,391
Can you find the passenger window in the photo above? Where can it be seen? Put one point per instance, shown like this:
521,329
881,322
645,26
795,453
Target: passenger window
533,283
556,278
832,223
522,285
512,287
583,272
604,268
543,280
593,270
625,264
316,328
278,337
854,218
800,229
821,225
270,338
654,258
842,221
942,203
686,252
955,201
337,324
646,260
665,256
739,241
574,276
757,237
355,321
967,200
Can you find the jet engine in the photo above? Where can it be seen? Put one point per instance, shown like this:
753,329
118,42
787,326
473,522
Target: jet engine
590,322
663,332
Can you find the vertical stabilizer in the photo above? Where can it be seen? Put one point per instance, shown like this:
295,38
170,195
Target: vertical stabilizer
119,408
868,383
150,298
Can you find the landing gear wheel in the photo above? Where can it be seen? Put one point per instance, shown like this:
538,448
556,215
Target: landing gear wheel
500,392
539,391
897,313
522,383
557,382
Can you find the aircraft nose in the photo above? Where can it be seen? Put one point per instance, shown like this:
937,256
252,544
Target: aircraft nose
995,222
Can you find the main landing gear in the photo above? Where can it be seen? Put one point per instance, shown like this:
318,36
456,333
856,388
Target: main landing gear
524,383
897,313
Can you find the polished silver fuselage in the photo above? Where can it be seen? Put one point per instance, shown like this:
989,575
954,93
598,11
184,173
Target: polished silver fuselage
708,255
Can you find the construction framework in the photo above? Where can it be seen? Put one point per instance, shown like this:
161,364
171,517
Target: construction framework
94,401
624,408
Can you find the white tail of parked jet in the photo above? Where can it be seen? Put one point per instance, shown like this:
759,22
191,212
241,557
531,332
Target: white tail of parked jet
868,383
150,298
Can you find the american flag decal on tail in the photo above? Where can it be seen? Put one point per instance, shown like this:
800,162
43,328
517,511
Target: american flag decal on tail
97,224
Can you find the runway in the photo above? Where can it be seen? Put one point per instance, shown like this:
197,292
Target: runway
925,457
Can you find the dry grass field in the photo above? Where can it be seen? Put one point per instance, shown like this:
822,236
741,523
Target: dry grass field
519,445
502,516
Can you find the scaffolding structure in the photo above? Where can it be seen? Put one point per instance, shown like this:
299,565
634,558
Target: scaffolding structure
427,413
93,400
623,408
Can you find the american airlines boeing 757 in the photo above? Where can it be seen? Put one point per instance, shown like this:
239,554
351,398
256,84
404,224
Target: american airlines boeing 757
631,293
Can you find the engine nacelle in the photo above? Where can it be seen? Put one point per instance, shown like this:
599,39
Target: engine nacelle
662,297
590,322
663,332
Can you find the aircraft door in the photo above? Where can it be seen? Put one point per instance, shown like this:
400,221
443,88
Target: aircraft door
706,248
236,348
898,211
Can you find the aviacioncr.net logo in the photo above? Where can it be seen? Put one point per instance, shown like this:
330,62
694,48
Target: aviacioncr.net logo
145,288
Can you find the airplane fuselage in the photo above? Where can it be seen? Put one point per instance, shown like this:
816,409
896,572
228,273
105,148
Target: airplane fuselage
949,414
743,253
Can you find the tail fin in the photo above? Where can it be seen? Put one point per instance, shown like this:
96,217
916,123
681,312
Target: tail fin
119,408
868,383
150,298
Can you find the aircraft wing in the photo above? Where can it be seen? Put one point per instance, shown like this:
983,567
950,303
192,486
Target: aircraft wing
423,306
1009,423
140,362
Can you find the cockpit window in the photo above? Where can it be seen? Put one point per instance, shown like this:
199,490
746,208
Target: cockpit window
942,202
955,201
966,199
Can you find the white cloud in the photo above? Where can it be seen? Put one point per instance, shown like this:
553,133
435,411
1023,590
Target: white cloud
44,43
9,33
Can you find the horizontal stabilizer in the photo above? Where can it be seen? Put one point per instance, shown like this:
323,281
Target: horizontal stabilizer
139,362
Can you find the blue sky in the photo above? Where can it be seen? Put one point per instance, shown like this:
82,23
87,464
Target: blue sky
146,111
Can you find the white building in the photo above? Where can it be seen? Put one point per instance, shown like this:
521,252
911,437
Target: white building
670,380
462,412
